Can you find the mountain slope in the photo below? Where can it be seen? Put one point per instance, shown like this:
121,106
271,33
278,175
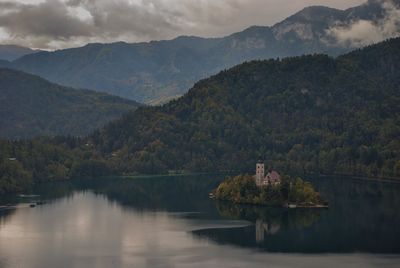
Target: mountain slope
4,63
154,71
31,106
13,52
303,114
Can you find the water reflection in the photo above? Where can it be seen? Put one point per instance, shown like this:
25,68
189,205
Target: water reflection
5,215
362,218
267,222
263,228
170,222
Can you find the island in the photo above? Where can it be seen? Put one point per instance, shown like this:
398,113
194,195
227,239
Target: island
269,190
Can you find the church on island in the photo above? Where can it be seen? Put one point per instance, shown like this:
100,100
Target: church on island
272,177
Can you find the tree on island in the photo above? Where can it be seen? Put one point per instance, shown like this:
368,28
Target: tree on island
242,189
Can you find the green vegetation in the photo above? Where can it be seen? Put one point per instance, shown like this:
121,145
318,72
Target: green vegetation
13,178
31,106
242,189
310,114
47,159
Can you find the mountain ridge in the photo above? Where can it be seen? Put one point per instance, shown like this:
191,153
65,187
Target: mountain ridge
325,115
32,106
310,114
156,70
13,52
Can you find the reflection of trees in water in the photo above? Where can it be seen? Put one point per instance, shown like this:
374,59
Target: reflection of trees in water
172,193
269,220
362,217
46,192
5,215
55,190
338,189
180,193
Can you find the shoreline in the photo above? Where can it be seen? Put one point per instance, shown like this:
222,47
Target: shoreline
337,175
139,176
284,205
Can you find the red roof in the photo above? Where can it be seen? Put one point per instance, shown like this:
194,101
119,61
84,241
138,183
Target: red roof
273,175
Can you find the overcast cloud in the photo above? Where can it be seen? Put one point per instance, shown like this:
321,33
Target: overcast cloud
53,24
364,32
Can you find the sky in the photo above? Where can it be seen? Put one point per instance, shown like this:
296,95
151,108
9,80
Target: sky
58,24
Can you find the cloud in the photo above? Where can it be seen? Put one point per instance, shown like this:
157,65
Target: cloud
52,24
38,24
365,32
46,19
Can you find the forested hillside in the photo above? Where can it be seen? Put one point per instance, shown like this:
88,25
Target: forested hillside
305,114
309,114
25,162
31,106
4,63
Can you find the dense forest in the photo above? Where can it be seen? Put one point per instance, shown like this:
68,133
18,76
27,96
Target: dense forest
31,106
303,114
309,114
25,162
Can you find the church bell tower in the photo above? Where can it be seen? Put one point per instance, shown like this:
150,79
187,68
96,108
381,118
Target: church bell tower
260,173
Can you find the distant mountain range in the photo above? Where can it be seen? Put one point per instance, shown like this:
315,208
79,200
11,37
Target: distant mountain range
31,106
160,70
13,52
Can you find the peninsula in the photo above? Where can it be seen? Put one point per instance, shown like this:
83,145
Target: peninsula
269,190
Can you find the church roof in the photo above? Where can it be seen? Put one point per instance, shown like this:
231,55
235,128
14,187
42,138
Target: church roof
273,175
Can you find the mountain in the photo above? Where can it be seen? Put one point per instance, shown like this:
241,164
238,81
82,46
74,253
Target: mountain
160,70
31,106
301,114
13,52
309,114
4,63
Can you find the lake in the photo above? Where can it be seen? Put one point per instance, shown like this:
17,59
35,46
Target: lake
171,222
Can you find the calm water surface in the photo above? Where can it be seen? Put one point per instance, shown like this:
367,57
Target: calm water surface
170,222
